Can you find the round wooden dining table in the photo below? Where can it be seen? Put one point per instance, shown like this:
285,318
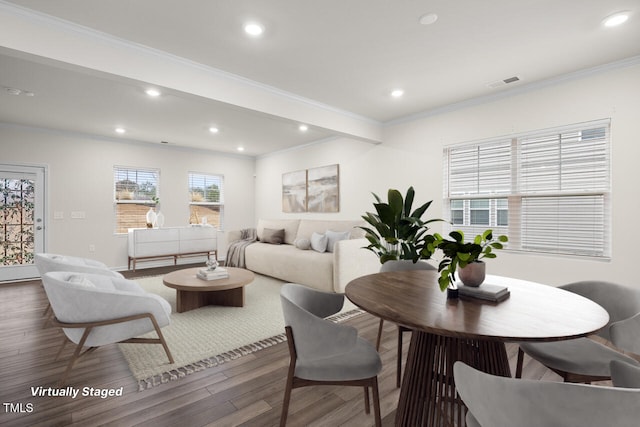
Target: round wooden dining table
466,329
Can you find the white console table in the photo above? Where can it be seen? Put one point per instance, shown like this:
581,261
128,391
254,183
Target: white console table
156,243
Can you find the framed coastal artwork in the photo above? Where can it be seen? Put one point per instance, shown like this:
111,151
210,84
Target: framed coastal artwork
311,190
294,191
323,191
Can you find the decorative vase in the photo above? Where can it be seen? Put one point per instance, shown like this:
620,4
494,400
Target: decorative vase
159,220
472,274
151,218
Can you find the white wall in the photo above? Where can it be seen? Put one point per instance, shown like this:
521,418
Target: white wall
80,178
412,155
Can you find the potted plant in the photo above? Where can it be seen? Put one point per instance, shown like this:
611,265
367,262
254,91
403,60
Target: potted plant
466,257
397,232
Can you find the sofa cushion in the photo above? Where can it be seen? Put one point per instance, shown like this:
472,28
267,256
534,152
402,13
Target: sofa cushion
303,244
288,263
81,280
319,242
309,226
335,236
290,228
270,235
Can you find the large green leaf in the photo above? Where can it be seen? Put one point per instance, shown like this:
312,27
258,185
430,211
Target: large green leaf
408,201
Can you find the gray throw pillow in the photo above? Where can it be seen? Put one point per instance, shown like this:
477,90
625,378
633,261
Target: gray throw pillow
303,244
319,242
270,235
335,236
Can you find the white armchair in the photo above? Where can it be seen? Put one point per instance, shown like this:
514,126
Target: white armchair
96,309
47,262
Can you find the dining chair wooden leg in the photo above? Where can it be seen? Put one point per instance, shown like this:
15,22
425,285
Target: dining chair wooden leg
376,403
378,339
285,402
399,359
519,363
367,404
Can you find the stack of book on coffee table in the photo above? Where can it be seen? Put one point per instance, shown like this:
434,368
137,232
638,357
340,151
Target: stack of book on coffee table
485,291
218,273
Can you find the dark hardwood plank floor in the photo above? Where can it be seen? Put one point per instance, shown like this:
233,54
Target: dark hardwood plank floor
247,391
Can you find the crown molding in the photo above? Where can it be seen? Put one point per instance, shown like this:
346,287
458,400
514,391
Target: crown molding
530,87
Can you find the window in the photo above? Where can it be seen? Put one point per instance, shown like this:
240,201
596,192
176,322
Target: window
207,199
547,190
135,192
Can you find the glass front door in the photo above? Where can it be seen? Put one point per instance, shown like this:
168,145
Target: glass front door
21,220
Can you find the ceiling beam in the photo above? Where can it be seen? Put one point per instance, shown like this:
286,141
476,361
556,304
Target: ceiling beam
39,34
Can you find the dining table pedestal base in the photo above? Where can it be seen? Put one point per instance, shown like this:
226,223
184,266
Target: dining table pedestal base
428,396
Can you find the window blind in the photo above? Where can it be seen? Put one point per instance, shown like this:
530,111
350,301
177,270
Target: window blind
134,193
206,193
135,184
547,190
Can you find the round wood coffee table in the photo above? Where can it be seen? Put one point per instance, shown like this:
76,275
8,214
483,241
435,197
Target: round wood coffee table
193,292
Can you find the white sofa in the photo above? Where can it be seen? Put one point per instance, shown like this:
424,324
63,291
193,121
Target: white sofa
327,271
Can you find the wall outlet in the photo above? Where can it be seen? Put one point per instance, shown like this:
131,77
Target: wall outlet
78,214
58,215
92,248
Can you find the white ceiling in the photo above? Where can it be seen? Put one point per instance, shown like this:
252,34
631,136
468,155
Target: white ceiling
330,63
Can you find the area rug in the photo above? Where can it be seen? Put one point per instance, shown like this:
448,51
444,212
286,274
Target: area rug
209,336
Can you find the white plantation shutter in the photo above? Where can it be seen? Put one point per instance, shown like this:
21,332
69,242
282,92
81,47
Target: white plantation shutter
547,190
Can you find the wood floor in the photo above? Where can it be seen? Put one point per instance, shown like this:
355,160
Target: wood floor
247,391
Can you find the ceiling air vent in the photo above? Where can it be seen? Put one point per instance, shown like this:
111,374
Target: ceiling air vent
503,82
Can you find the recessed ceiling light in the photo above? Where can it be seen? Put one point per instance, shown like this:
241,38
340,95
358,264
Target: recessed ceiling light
120,130
214,129
616,19
240,148
428,18
253,29
152,92
303,128
13,91
397,93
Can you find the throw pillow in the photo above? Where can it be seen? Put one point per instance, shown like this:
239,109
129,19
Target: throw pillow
335,236
270,235
303,244
319,242
81,280
624,374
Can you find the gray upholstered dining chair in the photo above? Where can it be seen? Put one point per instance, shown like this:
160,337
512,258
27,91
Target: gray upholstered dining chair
94,310
495,401
584,359
323,352
48,262
401,265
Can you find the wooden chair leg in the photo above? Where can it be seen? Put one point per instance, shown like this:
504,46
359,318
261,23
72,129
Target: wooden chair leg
519,363
378,339
399,361
376,403
161,338
367,405
76,355
287,399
